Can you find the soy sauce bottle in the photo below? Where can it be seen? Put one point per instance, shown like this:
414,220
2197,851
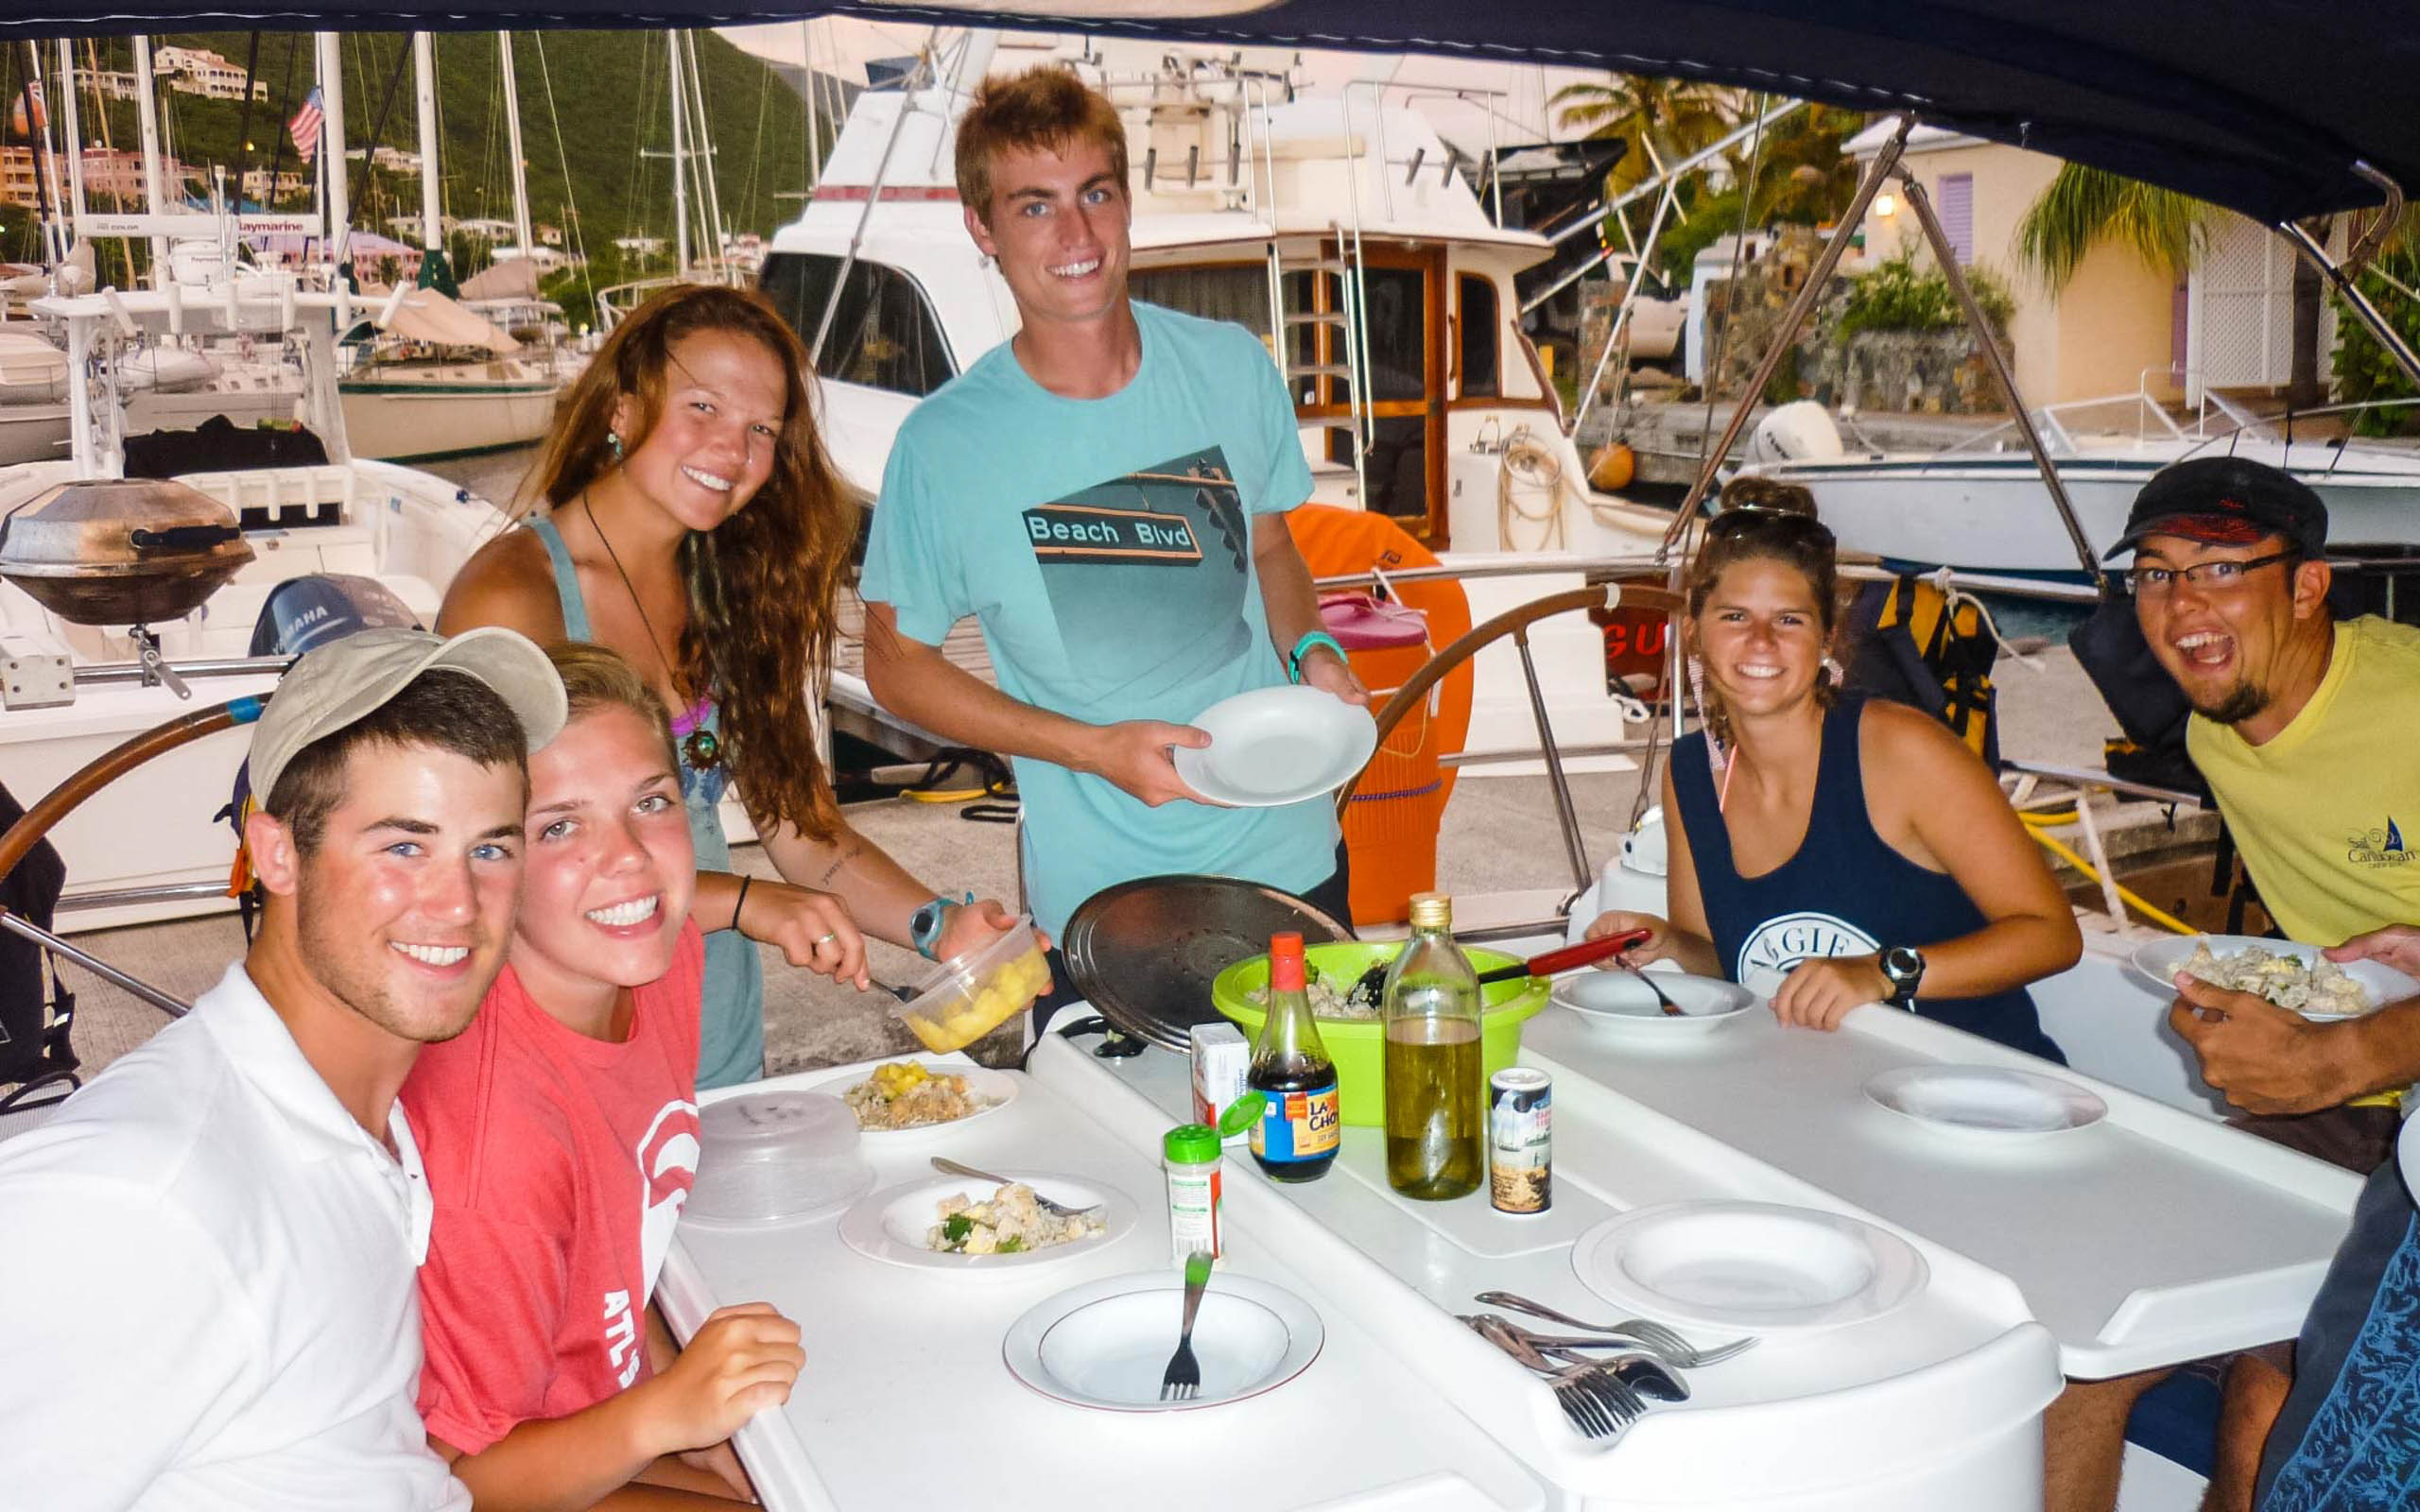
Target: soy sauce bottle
1297,1136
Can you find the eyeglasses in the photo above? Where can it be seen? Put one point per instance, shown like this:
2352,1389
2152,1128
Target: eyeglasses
2209,577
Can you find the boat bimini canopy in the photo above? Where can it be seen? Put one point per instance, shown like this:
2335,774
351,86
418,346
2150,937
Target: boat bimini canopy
2276,108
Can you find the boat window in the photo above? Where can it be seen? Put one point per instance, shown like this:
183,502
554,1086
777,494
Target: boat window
1476,338
883,333
1238,292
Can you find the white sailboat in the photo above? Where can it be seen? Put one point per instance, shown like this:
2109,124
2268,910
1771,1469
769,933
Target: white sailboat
438,381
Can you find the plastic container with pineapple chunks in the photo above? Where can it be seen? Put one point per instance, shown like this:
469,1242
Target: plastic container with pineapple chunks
966,997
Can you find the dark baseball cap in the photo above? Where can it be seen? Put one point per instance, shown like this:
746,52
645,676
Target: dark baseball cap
2226,501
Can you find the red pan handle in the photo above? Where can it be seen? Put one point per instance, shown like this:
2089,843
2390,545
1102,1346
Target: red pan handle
1565,959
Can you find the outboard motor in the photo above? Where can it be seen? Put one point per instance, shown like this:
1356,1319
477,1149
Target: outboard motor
1800,431
304,612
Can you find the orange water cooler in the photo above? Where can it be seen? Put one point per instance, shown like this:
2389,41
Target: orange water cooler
1392,823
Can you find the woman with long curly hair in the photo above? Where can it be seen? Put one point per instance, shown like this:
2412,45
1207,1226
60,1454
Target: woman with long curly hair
1831,852
693,523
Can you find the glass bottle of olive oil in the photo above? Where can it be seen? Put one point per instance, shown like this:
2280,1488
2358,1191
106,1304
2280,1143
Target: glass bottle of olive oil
1436,1105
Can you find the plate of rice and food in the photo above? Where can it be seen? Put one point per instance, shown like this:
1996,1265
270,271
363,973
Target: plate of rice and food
970,1224
902,1097
2293,977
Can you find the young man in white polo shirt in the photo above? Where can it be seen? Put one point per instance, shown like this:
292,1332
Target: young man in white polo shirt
210,1250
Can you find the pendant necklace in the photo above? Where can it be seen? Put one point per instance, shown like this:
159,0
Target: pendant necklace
701,750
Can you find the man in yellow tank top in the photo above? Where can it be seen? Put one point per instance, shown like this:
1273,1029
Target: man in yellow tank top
2304,728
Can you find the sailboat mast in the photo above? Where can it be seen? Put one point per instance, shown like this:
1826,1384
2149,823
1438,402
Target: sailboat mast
339,192
513,135
814,130
147,117
680,163
432,226
75,139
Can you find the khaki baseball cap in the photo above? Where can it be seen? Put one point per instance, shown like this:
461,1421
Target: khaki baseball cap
346,680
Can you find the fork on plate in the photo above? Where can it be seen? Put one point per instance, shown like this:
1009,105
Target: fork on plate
1182,1379
950,1167
1677,1351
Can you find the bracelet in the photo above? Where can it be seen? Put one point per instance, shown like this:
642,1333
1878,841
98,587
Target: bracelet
741,902
1310,642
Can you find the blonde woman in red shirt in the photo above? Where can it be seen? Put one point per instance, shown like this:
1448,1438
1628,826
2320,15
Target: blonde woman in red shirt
560,1134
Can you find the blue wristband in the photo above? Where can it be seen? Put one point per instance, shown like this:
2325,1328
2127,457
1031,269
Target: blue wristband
1310,642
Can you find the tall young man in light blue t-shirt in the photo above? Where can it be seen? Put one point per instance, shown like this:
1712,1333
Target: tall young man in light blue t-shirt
1106,492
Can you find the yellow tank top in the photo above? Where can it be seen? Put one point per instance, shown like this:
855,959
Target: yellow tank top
2327,812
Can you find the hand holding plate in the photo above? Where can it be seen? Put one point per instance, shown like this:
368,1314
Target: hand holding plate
2265,1058
1134,754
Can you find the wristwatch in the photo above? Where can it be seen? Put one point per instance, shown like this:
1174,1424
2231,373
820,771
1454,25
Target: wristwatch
925,924
1903,967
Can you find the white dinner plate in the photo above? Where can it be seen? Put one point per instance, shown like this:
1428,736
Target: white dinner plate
1275,745
1617,999
1997,1101
890,1225
2156,962
981,1081
1747,1267
1104,1344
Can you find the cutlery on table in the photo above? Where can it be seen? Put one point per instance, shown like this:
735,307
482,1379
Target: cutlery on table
949,1168
1575,1349
1182,1379
1677,1351
1643,1372
1598,1403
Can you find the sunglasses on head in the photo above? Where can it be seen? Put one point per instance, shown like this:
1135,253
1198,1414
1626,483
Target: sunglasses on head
1754,518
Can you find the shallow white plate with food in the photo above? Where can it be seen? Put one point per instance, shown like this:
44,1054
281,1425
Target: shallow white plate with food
1617,1000
986,1092
2156,962
1747,1267
1105,1344
1995,1101
1275,745
895,1224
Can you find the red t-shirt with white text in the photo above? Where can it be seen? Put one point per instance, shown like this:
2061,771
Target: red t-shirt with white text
559,1164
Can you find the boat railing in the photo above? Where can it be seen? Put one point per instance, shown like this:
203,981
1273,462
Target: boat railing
2280,428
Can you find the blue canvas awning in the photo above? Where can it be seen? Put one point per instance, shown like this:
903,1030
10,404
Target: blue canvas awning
2260,104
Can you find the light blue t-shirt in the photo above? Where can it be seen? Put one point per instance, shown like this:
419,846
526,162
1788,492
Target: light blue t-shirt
1105,545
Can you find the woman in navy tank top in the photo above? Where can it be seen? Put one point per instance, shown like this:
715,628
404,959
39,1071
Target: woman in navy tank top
1830,852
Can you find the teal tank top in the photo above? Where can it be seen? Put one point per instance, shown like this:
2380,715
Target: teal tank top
731,1046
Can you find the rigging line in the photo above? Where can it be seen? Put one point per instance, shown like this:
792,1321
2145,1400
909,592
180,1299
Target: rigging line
1731,285
386,105
632,202
571,205
244,117
756,158
277,146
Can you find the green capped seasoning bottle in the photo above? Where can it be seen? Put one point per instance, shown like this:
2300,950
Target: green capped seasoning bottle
1436,1137
1298,1132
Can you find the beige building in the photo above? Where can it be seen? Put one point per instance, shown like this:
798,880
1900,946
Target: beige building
2118,324
199,71
19,185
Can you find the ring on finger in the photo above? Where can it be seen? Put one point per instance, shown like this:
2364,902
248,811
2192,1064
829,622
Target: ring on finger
826,937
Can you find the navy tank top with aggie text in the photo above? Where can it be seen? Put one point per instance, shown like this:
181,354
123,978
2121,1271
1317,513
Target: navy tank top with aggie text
1843,892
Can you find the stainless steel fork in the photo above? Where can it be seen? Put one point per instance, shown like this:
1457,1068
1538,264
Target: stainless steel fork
1598,1403
1182,1379
949,1168
1677,1351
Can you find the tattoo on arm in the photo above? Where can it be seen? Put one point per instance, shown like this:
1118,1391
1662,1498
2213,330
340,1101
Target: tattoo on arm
854,849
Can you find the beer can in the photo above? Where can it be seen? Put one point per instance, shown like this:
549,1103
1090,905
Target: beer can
1520,1140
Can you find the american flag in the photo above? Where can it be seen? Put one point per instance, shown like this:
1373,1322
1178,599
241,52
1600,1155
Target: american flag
305,128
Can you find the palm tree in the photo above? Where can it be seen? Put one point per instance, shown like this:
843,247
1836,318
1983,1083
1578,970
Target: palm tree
1658,120
2084,207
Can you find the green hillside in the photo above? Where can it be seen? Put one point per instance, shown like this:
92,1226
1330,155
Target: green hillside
608,106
